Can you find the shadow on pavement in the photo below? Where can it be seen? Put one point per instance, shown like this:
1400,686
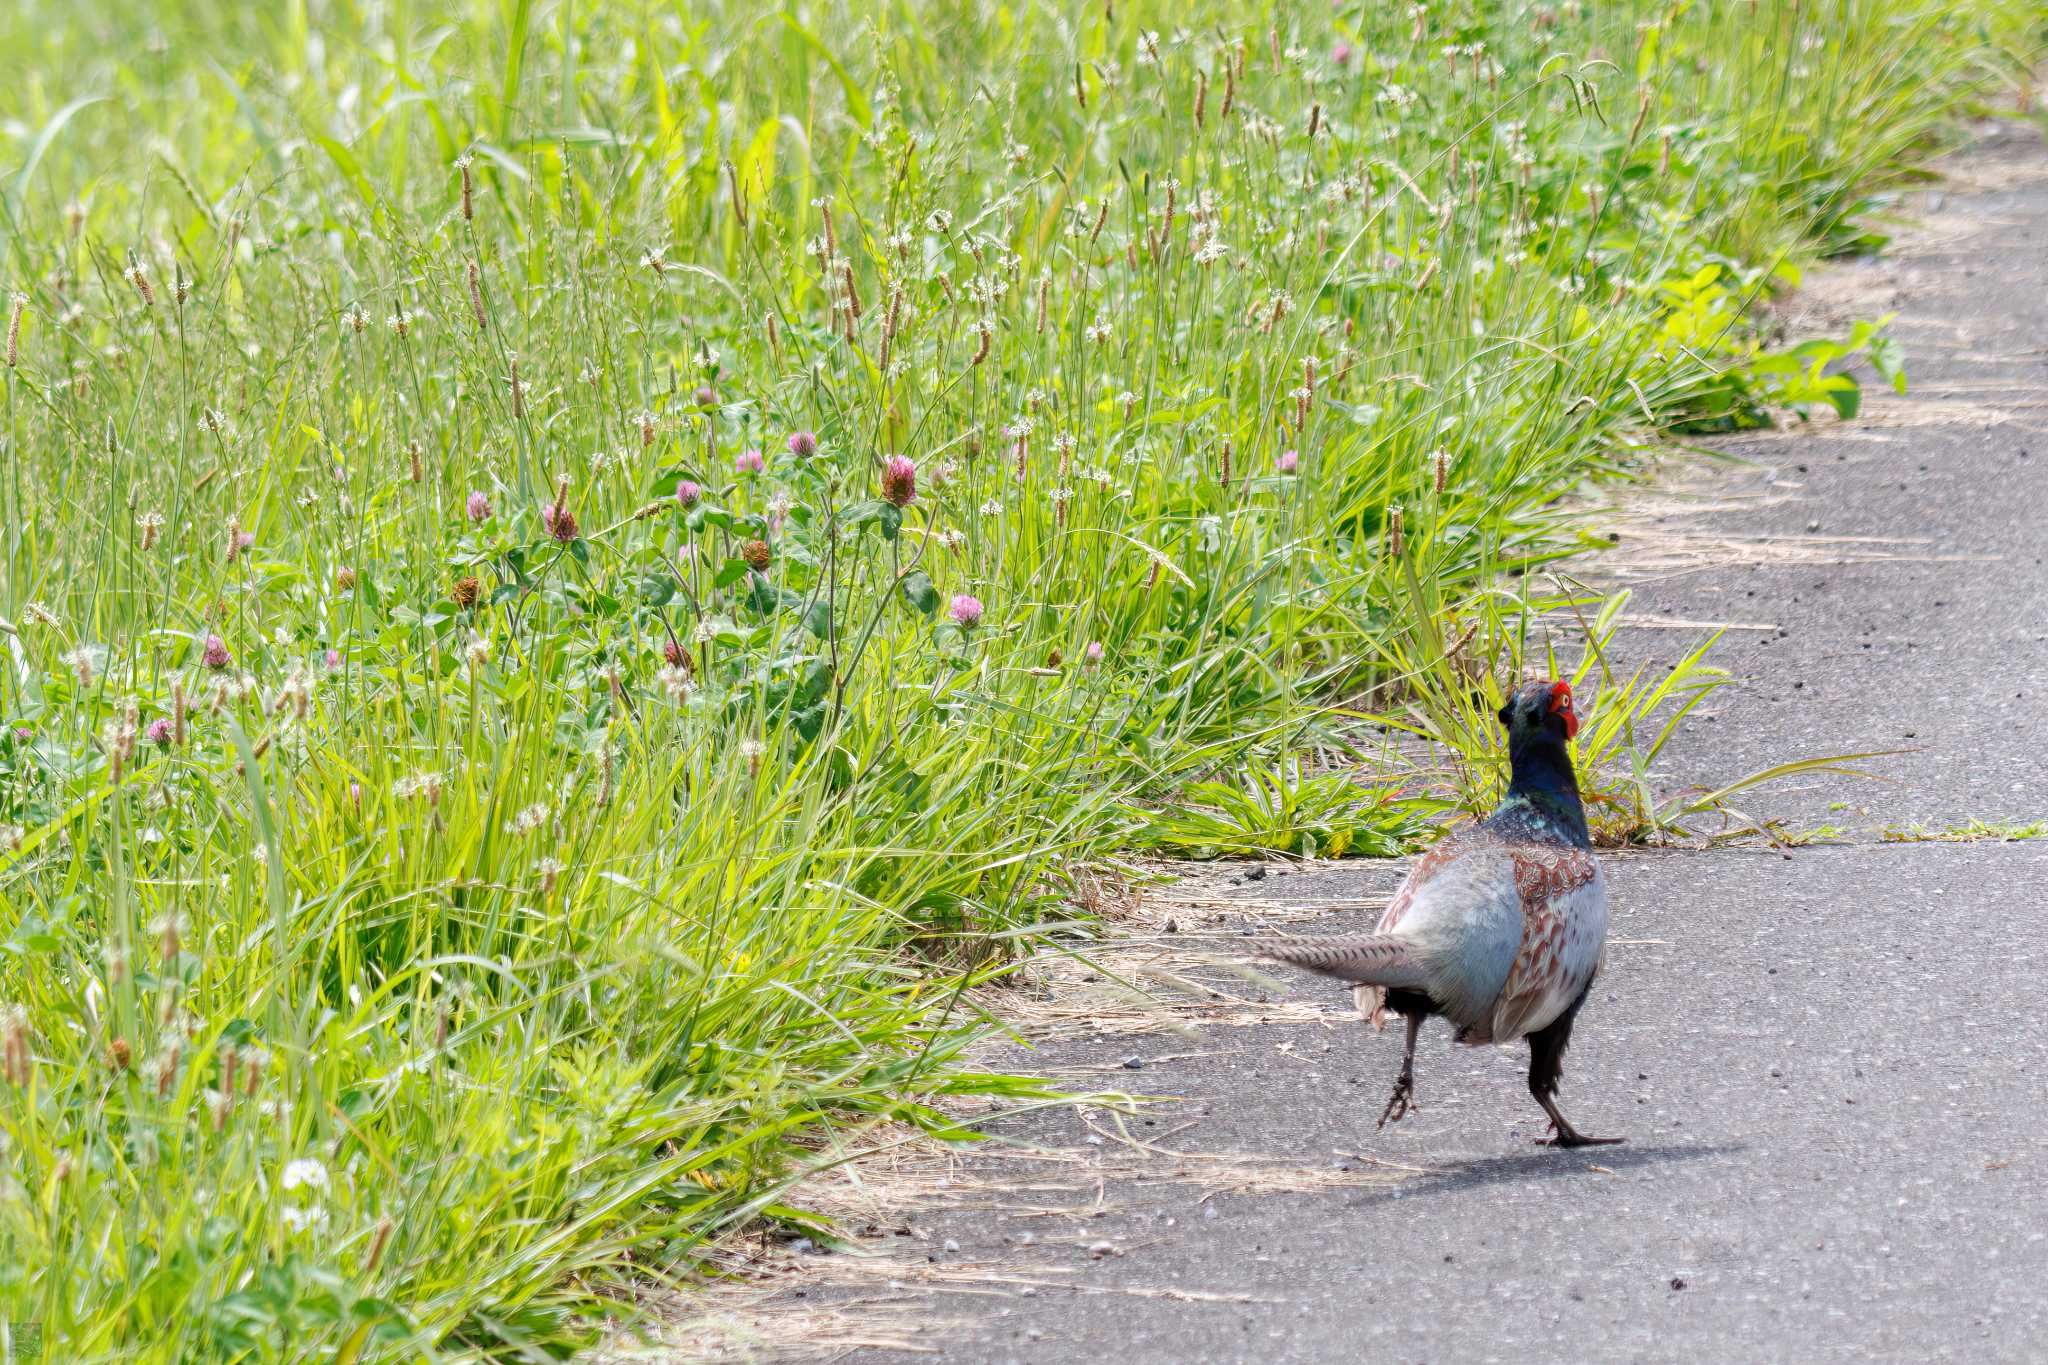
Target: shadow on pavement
1544,1164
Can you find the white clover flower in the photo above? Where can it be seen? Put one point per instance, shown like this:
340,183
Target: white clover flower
678,682
299,1219
304,1173
426,784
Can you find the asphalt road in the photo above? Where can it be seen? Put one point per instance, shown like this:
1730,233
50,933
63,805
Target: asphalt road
1830,1066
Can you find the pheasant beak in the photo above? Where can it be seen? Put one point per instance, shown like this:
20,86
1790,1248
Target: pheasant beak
1561,705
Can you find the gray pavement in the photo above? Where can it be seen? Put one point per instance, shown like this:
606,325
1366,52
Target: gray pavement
1829,1066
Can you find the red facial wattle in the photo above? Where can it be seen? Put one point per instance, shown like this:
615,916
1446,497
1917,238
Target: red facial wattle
1561,705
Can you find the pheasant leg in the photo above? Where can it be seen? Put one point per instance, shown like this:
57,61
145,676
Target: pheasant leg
1564,1135
1403,1098
1546,1067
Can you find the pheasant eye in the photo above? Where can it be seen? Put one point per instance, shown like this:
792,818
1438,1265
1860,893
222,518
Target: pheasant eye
1561,705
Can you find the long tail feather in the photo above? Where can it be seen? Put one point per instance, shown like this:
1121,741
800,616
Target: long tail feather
1372,960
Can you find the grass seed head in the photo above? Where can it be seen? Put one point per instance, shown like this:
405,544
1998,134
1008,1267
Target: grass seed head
169,932
556,517
378,1241
14,1048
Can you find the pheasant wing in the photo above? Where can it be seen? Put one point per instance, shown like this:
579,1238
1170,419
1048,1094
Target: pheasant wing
1564,936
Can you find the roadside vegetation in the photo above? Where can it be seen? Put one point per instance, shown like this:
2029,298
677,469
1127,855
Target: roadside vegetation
572,575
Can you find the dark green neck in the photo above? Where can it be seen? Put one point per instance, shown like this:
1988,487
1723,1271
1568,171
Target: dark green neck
1541,774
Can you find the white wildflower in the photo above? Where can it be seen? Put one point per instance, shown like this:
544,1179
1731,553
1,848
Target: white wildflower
530,819
300,1219
304,1173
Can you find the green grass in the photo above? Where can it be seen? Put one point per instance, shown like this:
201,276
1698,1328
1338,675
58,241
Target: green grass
516,907
1971,831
